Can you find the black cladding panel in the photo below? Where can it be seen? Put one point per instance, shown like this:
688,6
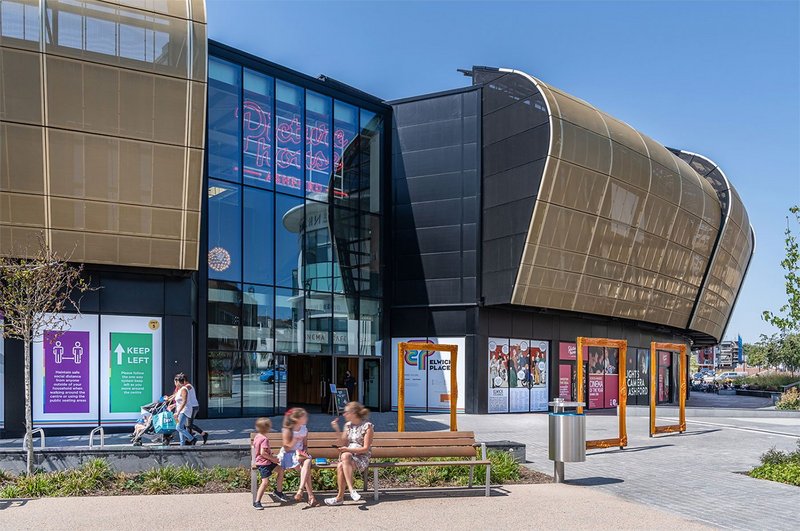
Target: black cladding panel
435,203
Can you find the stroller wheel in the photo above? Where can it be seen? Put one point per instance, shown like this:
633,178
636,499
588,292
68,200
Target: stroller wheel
137,443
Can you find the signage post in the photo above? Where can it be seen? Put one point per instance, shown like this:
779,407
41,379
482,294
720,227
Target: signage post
404,347
682,365
622,346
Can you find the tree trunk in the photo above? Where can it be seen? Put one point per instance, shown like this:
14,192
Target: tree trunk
28,413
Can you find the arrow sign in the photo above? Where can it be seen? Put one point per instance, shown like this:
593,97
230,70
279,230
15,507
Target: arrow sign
119,351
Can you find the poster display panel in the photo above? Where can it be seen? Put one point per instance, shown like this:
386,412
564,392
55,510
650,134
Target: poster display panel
637,375
64,374
130,366
565,381
439,375
2,375
519,375
498,375
427,375
539,350
611,380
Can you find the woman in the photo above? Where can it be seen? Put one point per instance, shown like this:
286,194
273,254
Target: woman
194,404
355,447
183,411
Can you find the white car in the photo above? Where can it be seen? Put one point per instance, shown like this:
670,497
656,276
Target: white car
728,376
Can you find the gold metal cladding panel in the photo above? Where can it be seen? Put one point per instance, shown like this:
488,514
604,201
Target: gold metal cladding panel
20,86
644,250
123,109
21,158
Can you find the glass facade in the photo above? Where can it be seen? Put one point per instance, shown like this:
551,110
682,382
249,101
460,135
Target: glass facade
294,234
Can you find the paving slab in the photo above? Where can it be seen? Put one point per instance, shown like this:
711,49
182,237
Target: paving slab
513,507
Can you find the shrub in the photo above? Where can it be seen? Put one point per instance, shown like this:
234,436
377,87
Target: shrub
768,382
790,400
779,466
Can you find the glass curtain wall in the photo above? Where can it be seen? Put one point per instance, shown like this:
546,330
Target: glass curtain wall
294,223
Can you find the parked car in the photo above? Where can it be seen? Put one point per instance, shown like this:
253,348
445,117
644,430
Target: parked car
727,376
271,375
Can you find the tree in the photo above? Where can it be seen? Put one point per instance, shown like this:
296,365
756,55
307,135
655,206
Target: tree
788,320
755,354
35,291
789,353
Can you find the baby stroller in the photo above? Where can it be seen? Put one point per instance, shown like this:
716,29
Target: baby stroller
151,423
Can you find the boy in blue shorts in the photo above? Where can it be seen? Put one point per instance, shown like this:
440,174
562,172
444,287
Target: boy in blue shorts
265,463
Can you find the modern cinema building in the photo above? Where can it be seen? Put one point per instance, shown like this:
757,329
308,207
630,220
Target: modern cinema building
265,231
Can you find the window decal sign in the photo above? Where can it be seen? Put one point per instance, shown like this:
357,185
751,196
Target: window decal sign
64,374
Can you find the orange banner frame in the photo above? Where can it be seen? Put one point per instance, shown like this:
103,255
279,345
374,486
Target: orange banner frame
402,348
680,348
622,345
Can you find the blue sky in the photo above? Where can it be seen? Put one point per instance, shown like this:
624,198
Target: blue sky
717,78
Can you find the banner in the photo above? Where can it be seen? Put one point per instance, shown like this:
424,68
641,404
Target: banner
539,369
611,384
64,375
439,375
565,382
498,375
567,351
427,375
130,366
636,377
519,376
596,382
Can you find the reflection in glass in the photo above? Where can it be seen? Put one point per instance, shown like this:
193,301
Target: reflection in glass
288,238
370,160
280,383
345,325
345,154
224,384
318,322
347,255
224,231
257,129
259,375
20,20
318,146
224,315
288,320
289,138
317,250
223,120
257,318
369,266
369,326
258,245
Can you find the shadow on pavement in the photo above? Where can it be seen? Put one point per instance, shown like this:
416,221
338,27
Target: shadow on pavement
685,434
593,481
632,450
13,502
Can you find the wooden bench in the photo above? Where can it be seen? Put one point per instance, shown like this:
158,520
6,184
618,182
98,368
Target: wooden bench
401,445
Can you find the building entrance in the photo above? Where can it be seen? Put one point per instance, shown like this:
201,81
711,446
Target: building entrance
308,378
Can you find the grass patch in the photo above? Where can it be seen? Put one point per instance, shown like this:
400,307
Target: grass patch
96,477
779,466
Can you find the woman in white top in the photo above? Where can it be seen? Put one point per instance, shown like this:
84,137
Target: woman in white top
183,409
194,408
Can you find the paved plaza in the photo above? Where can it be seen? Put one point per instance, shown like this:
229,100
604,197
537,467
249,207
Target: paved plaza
695,476
514,507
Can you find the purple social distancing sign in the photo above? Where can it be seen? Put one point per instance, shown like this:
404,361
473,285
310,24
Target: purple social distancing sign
66,372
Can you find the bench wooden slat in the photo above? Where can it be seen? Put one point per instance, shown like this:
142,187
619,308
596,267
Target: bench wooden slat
389,435
434,451
429,463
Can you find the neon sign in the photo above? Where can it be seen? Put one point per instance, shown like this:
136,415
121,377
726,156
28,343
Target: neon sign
257,148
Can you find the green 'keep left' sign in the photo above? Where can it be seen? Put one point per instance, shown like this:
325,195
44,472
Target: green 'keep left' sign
131,383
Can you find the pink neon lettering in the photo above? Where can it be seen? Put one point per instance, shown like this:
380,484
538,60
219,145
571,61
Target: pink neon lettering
289,132
287,158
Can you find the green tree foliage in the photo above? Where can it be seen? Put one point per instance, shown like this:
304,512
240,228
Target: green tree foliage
35,291
788,318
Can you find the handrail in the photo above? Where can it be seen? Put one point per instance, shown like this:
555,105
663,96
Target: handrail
42,440
789,386
102,433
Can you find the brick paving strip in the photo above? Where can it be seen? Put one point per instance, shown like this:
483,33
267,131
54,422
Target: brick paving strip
512,507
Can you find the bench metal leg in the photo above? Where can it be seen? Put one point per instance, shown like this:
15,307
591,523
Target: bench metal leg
253,484
375,483
471,473
488,470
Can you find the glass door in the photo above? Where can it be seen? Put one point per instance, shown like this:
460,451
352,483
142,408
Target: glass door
371,371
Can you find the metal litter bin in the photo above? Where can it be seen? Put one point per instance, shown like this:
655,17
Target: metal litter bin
567,435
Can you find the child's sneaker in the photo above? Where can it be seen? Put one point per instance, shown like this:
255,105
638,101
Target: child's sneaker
281,497
354,495
257,506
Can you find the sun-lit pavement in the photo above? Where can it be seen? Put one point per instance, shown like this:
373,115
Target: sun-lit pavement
696,475
515,507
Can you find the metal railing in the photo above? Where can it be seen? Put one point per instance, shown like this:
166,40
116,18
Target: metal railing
40,431
102,435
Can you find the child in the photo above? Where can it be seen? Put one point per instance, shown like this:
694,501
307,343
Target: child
265,462
293,455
